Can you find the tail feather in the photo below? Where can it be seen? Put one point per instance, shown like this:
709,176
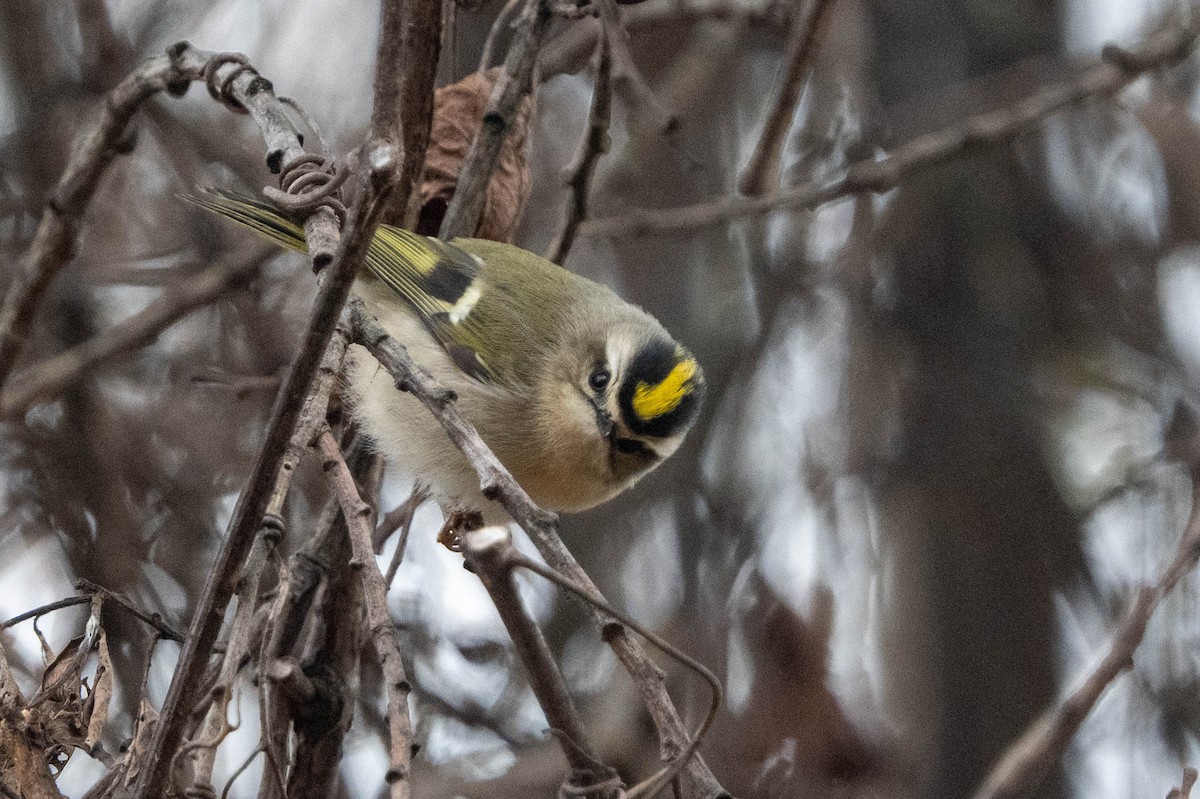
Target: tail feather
262,218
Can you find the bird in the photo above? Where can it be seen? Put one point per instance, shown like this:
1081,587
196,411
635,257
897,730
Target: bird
579,393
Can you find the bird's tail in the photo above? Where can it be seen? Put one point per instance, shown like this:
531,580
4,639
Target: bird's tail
263,219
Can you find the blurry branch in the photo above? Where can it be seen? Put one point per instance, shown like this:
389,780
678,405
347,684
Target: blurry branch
95,149
54,375
568,50
488,553
627,79
762,173
398,518
1184,791
380,176
516,81
497,484
580,171
1025,765
1117,69
383,632
502,22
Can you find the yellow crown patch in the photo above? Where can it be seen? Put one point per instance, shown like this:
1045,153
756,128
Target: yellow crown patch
650,402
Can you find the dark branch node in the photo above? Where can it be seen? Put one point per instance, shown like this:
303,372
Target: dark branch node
610,630
260,84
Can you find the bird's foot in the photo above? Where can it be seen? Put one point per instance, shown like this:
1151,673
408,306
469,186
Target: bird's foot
458,521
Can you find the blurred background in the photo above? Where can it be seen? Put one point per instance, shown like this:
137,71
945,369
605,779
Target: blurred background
930,473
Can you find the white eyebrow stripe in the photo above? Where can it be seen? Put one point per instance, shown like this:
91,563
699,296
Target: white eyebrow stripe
465,303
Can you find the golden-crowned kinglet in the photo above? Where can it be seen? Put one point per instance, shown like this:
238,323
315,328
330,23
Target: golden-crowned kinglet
578,393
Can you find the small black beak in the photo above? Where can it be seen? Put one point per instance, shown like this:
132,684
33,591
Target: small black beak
604,420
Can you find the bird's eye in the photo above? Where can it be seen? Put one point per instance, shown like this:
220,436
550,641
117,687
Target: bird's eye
598,379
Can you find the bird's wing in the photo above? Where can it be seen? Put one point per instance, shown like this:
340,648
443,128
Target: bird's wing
493,307
476,304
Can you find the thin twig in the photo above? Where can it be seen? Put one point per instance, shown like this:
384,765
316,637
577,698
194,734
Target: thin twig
95,149
54,375
649,788
216,726
153,619
595,144
90,590
762,172
383,632
1030,759
397,517
407,511
1115,71
498,484
462,215
489,552
49,607
324,716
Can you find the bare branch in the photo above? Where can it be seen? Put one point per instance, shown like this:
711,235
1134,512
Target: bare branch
580,171
489,553
117,600
404,521
410,42
379,177
54,375
1117,69
90,590
49,607
462,216
651,786
762,173
1029,760
383,632
215,727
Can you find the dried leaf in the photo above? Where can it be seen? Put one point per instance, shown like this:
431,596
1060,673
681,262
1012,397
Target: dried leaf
147,720
65,669
457,112
100,696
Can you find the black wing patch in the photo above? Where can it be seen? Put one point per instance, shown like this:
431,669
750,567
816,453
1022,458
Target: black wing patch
440,282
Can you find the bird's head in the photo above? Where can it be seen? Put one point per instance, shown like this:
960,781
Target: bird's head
645,391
